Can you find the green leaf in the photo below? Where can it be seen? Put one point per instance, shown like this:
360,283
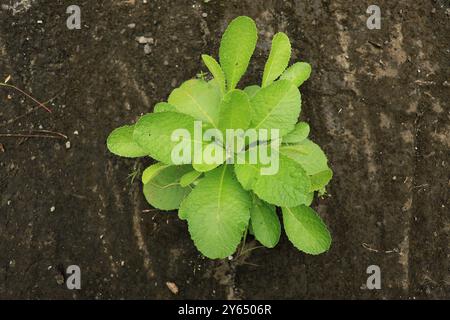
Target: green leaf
310,199
251,91
199,99
247,174
163,191
153,133
308,154
163,107
276,107
152,171
265,223
234,111
288,185
306,230
211,150
215,69
189,178
121,143
279,57
218,213
300,133
297,73
236,49
321,179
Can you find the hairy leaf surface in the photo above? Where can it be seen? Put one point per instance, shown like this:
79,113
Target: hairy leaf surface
163,190
289,186
215,69
121,143
265,223
308,154
199,99
297,73
251,91
164,107
234,111
189,178
151,171
276,107
236,49
279,57
218,213
306,230
300,133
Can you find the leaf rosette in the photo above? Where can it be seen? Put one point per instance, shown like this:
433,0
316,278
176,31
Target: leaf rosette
222,194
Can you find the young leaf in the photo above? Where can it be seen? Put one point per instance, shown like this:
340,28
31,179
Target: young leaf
199,99
215,69
163,191
306,230
279,57
121,143
163,107
297,73
152,171
276,107
247,174
234,111
308,154
208,166
218,212
236,49
289,186
189,178
251,91
265,223
153,133
321,179
300,133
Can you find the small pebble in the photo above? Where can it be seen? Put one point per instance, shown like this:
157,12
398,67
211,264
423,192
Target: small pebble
52,209
147,49
144,40
59,279
172,287
68,145
75,132
132,25
204,14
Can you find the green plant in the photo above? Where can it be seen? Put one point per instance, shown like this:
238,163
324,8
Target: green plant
221,201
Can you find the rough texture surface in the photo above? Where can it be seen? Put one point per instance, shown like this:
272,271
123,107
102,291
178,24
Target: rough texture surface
377,101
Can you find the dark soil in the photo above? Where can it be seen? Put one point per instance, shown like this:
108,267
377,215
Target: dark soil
378,102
